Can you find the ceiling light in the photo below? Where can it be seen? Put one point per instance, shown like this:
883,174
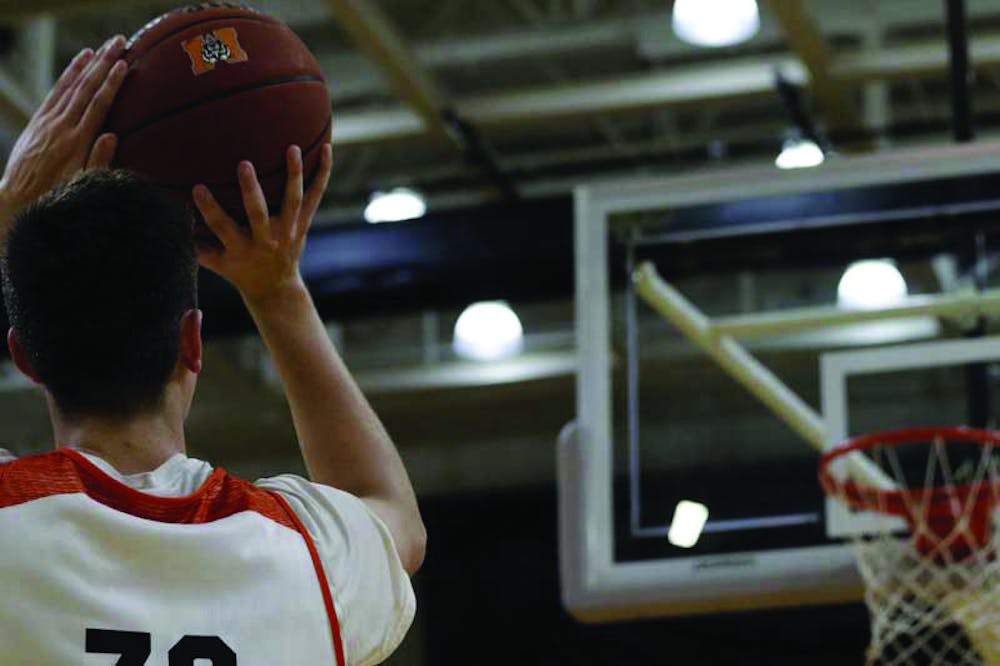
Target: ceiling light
688,523
716,22
871,284
395,206
488,331
799,154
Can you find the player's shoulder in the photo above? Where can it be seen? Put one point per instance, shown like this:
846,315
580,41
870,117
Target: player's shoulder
233,494
318,506
330,512
360,558
314,495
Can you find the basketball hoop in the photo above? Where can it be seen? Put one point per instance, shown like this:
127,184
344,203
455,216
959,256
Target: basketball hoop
929,560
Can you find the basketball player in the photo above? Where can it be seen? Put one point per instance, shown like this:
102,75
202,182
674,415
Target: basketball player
116,547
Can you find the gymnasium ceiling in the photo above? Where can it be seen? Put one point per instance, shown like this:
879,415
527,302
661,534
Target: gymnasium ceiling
559,91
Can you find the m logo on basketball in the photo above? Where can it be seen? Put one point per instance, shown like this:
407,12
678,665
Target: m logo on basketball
205,51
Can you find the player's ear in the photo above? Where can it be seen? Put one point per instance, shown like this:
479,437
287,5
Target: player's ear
19,357
190,348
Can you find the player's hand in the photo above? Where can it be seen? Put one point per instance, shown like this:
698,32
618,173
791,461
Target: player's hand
61,137
263,261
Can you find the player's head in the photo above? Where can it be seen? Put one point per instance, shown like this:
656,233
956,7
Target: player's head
99,279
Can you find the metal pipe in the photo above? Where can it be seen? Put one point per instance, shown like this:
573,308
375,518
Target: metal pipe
477,154
747,370
791,97
802,319
961,74
632,382
978,387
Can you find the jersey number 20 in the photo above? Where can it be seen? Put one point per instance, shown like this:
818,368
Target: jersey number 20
134,648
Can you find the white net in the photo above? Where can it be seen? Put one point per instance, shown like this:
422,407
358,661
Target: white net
930,563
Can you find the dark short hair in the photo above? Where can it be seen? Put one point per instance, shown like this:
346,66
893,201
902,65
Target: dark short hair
97,275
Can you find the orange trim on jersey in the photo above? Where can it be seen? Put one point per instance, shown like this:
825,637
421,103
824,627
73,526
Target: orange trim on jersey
324,582
67,471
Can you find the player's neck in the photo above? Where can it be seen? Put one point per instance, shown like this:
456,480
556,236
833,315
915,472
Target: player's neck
138,444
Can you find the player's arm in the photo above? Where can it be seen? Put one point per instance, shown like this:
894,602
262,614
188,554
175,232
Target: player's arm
62,136
343,442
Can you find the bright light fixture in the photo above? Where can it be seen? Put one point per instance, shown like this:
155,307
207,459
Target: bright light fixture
395,206
799,154
689,520
488,331
871,284
716,22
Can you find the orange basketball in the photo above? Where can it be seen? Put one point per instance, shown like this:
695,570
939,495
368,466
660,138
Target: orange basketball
210,85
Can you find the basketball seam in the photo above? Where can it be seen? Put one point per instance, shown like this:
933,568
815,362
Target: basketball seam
302,78
263,174
159,41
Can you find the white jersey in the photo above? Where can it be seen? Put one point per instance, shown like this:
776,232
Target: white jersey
188,565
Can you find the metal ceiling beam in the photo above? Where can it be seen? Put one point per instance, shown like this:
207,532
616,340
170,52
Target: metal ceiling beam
539,175
646,33
807,42
526,44
691,84
834,17
375,36
738,78
925,58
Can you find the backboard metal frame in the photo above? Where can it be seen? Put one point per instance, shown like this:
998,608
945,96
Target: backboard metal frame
594,586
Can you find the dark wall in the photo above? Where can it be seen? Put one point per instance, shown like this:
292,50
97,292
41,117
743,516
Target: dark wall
490,595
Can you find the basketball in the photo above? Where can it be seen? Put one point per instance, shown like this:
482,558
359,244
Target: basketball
210,85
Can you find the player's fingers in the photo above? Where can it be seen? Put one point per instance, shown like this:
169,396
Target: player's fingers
73,93
92,63
93,77
103,152
292,204
67,79
97,111
254,202
316,190
67,97
216,218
